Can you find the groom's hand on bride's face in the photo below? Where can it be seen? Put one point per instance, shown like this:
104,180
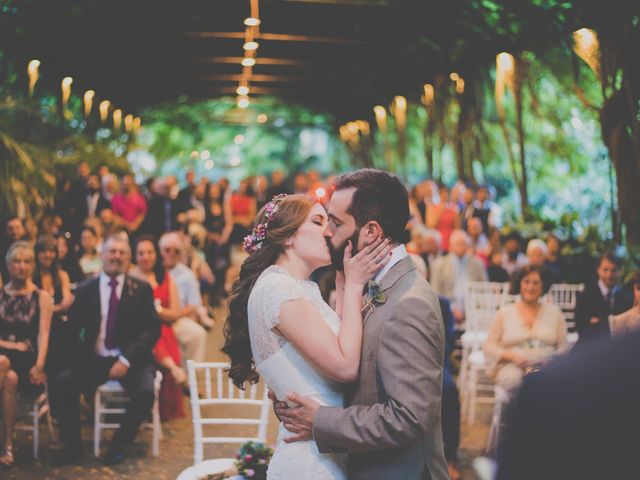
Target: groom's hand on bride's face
299,420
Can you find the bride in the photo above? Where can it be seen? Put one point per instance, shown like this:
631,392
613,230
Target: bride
279,326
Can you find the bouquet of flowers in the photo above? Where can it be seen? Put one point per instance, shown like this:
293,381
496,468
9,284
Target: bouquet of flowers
253,460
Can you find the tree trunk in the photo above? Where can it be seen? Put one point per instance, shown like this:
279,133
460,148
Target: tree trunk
524,196
614,118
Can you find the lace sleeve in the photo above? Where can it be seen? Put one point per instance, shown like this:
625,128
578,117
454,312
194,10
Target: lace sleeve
269,293
277,290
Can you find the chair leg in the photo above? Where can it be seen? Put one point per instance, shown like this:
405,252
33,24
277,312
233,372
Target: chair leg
157,430
97,423
36,430
473,392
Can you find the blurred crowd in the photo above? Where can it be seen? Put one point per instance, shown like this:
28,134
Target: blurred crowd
186,241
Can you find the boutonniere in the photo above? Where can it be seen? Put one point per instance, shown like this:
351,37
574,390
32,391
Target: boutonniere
132,287
373,296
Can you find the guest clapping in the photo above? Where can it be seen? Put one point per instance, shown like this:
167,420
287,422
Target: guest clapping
524,334
25,319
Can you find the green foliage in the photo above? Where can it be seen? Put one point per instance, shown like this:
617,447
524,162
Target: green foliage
39,146
292,138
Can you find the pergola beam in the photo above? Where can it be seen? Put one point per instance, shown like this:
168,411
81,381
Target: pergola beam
280,37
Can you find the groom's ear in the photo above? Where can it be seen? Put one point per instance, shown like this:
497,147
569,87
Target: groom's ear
372,231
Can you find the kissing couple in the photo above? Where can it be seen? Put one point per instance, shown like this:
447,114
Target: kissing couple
360,386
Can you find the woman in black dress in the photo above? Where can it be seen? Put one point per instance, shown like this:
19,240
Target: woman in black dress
63,340
25,319
219,223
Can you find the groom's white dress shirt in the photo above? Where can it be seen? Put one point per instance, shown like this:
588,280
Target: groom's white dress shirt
397,254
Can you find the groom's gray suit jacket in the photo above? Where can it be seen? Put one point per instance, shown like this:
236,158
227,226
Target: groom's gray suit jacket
391,424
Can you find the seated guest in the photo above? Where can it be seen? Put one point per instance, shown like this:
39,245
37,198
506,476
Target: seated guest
629,320
117,315
495,271
89,260
599,300
537,256
577,419
425,242
524,334
63,345
68,260
554,259
190,333
14,230
162,210
452,272
167,351
129,207
479,241
443,217
25,319
514,259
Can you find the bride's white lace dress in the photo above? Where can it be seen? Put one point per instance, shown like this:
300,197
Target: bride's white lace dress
286,371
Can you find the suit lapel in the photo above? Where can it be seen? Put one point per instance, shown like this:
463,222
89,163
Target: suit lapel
400,269
94,311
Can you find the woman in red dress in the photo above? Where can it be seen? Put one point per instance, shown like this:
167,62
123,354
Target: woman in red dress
443,217
167,350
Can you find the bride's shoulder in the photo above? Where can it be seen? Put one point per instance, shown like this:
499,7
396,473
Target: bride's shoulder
275,278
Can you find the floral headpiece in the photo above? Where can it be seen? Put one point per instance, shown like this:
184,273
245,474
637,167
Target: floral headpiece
252,243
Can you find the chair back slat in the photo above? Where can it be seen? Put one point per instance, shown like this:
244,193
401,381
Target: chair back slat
207,411
219,381
482,301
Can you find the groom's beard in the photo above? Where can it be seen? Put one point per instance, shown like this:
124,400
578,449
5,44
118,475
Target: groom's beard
337,253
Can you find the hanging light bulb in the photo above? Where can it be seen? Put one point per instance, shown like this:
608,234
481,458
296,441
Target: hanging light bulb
117,118
251,45
252,22
248,62
381,117
34,74
128,122
587,47
429,94
104,110
66,89
400,111
243,102
88,102
242,90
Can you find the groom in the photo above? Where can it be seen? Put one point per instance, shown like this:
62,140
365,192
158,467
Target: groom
390,426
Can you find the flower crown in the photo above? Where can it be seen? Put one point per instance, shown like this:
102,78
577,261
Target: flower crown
252,243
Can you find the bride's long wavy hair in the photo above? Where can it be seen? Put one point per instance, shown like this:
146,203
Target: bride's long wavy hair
291,214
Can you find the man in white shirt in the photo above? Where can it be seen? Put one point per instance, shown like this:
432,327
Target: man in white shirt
189,330
120,328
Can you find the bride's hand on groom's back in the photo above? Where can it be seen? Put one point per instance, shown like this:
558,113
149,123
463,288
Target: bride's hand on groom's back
363,266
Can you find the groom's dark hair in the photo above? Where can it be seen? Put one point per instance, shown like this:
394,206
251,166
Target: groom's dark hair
379,196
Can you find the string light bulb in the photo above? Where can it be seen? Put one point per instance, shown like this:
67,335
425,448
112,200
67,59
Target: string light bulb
88,102
34,74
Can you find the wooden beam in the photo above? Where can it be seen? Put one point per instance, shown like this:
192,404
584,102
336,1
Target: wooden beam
280,37
259,61
254,78
254,90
